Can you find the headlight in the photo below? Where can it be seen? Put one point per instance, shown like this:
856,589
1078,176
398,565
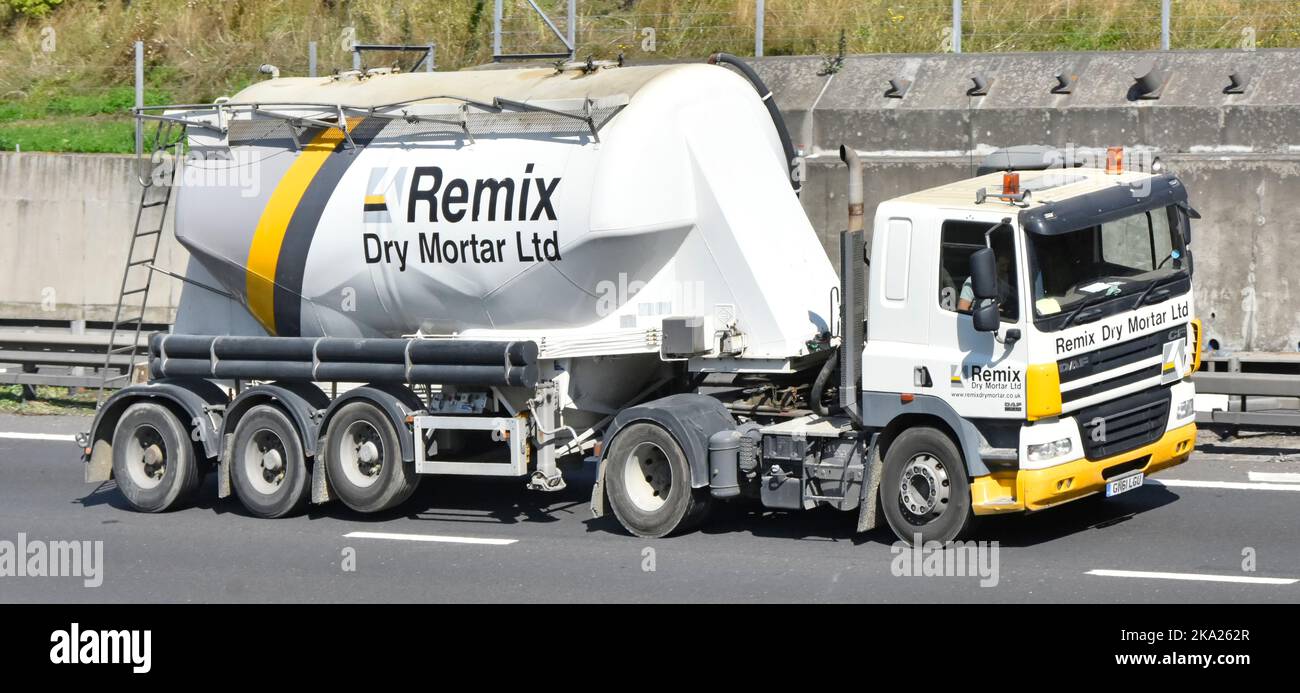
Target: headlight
1049,451
1186,408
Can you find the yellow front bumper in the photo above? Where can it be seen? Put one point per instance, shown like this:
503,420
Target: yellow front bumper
1036,489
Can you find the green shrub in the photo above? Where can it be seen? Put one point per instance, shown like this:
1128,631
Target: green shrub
32,8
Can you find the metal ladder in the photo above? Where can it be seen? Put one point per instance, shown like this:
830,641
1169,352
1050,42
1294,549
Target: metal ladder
137,276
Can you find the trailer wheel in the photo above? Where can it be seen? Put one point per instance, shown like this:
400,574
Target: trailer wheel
364,460
153,459
924,490
268,466
649,482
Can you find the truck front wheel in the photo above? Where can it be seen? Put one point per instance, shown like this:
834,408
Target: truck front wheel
924,491
269,469
364,460
649,483
153,459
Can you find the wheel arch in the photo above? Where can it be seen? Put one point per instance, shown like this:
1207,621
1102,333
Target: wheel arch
303,403
688,418
892,417
189,399
394,400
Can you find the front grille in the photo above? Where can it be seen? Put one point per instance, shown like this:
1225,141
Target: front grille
1122,354
1124,424
1110,384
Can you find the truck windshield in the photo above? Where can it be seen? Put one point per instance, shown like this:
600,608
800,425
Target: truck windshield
1112,258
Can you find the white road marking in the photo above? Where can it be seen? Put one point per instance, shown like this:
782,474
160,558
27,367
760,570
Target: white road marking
429,537
1276,477
1235,485
1194,577
37,436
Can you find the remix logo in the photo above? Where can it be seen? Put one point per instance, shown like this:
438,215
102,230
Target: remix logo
955,377
982,374
1174,361
383,184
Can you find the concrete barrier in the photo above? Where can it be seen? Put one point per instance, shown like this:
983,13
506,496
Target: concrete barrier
65,225
65,219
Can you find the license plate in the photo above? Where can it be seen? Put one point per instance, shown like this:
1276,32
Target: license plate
1124,484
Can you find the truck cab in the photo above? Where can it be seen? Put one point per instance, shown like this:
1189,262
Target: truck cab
1042,323
1005,344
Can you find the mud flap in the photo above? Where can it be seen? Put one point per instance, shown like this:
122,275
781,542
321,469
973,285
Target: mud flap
223,469
99,468
869,512
320,487
598,491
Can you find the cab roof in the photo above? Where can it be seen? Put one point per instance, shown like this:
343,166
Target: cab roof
1045,188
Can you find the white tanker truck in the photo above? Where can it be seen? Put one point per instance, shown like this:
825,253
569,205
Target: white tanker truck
512,269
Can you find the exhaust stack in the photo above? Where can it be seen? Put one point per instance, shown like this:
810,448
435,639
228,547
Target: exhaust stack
850,157
853,294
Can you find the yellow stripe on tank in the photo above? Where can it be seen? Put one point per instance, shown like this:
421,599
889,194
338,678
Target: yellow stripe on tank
264,252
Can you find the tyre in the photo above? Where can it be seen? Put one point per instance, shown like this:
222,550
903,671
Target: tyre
648,479
153,459
364,460
924,490
268,467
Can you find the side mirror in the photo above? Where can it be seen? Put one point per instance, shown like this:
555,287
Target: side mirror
1189,214
985,316
984,274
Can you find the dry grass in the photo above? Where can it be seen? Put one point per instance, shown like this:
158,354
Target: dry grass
200,49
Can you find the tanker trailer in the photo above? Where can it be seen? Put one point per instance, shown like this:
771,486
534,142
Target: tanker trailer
636,227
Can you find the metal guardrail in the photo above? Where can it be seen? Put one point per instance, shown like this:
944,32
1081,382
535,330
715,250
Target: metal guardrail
60,358
1253,383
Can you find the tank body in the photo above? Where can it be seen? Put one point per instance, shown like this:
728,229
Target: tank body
529,225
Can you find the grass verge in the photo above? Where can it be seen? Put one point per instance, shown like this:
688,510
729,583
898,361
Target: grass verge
50,401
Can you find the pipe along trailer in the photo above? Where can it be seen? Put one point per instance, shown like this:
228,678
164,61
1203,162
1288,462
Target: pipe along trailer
503,272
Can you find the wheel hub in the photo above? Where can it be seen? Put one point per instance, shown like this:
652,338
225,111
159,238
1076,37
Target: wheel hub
265,461
146,456
648,477
924,487
272,462
367,453
272,466
368,462
361,450
154,461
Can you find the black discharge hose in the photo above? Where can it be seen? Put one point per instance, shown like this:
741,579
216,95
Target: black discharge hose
819,385
770,102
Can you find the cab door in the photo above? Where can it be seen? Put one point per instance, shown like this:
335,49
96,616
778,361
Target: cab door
981,374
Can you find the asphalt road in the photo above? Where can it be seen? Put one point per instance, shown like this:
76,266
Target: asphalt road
1216,514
